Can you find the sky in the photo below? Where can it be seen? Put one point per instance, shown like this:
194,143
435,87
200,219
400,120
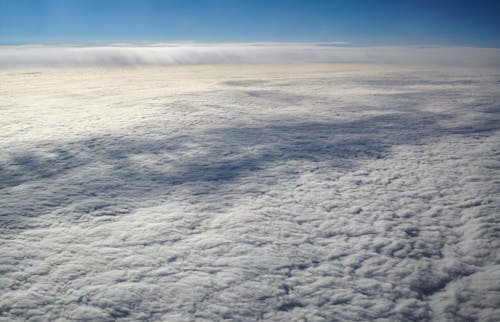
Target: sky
383,22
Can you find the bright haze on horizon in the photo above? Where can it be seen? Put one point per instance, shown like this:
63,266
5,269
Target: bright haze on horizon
249,160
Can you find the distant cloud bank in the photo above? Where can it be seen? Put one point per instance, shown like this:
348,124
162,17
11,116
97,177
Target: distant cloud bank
29,56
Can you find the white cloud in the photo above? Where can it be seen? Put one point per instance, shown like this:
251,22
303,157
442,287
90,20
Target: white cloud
316,192
233,53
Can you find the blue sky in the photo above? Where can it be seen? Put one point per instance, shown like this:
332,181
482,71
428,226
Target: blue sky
382,22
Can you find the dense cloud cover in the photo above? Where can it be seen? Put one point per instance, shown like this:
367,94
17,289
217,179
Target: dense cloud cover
236,53
318,193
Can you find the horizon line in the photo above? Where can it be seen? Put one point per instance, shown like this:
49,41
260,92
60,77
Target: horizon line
179,43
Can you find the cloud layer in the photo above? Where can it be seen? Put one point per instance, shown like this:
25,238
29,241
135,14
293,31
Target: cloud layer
182,54
319,193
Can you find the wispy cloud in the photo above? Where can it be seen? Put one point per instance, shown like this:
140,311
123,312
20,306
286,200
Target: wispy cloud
233,53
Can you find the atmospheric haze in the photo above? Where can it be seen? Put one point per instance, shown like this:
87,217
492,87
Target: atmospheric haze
160,54
359,190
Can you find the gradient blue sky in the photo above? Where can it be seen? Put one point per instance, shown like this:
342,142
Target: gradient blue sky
376,22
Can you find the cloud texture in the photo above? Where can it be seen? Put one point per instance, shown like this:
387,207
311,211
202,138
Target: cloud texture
318,193
235,53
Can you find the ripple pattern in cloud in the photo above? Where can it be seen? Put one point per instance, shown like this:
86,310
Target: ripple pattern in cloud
318,192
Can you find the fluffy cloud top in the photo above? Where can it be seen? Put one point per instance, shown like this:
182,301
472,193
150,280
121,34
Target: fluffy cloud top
244,193
234,53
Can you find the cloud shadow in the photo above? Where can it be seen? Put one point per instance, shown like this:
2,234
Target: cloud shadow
111,175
